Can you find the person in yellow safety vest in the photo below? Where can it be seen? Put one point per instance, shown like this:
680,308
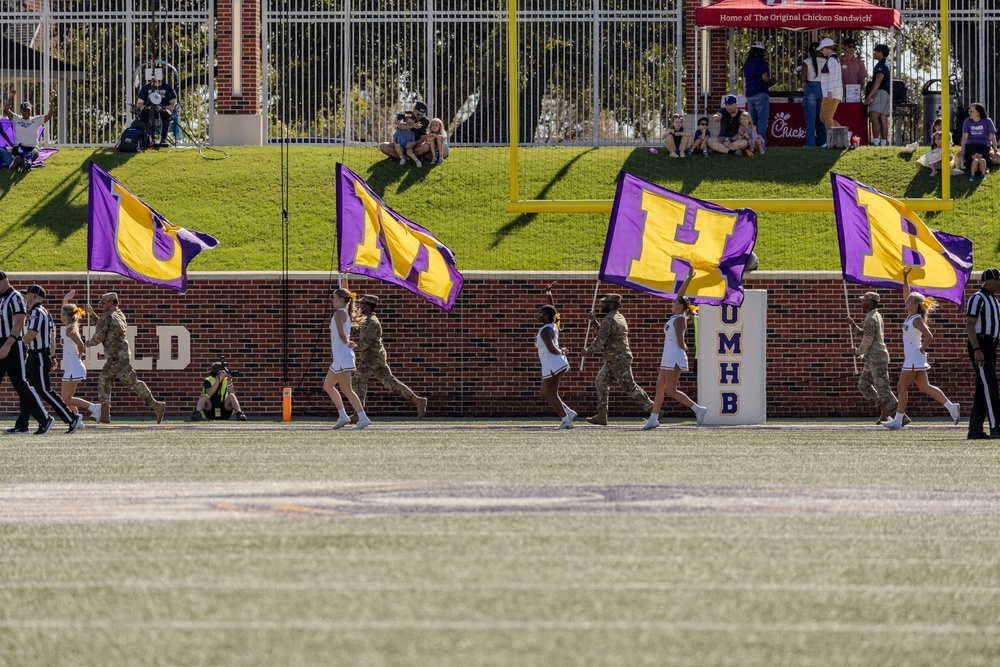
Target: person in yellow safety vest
218,398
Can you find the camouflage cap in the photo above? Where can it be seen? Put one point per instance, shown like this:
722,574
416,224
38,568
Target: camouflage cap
613,298
109,296
871,296
370,299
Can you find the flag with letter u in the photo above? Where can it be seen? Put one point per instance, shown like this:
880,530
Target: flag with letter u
656,234
880,235
127,237
373,240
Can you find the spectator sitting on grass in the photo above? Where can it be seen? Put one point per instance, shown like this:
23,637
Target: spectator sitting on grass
437,139
677,138
701,136
748,132
729,127
403,139
26,129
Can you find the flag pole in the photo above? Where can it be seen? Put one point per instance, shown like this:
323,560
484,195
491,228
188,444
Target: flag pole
850,329
586,336
86,350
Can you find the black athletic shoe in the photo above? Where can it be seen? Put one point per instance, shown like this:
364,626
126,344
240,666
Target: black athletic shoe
240,416
977,435
46,426
16,431
77,423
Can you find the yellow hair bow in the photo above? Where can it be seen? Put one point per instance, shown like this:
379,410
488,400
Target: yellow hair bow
354,296
79,311
693,308
556,320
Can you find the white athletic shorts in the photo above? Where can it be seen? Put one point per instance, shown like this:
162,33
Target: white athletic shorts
343,359
674,357
554,365
915,360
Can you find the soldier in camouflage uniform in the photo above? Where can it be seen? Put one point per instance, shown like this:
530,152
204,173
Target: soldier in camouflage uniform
874,382
612,340
111,331
371,361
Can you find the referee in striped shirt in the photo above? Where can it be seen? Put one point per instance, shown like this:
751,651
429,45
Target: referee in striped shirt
39,339
982,326
13,312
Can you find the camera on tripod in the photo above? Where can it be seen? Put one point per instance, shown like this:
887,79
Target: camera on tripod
225,367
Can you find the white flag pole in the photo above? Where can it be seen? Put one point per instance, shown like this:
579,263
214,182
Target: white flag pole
586,336
850,329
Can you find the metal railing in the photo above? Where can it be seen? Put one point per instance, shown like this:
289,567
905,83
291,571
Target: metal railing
87,50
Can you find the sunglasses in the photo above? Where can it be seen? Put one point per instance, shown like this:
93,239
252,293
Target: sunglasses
702,124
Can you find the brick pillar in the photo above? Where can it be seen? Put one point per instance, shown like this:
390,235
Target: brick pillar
238,120
718,56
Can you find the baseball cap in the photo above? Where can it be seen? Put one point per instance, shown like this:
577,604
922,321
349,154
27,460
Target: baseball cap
420,106
827,42
758,45
25,106
849,42
872,296
3,275
109,296
37,290
729,99
991,274
613,298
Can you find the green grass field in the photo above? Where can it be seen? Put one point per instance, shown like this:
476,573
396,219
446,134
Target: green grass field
43,215
500,543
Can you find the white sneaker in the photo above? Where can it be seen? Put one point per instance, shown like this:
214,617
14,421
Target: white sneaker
95,409
572,414
565,424
650,424
893,425
955,412
363,422
418,163
699,414
342,422
402,161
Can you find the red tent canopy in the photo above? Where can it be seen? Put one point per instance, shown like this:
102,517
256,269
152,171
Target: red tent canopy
796,14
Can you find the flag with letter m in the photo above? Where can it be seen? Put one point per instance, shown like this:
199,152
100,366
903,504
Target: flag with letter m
373,240
657,236
880,235
126,236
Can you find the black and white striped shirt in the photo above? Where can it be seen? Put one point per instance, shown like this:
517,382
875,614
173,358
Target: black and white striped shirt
40,322
983,305
11,304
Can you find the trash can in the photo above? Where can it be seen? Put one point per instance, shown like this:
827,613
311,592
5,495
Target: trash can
932,106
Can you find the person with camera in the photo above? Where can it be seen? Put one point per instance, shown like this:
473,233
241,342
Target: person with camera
218,398
157,97
26,129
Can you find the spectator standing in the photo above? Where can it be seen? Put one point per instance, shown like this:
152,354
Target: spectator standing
757,75
26,129
832,83
982,327
979,139
812,95
877,98
729,127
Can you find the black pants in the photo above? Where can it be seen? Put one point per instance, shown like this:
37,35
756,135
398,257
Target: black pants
38,366
13,366
986,405
165,117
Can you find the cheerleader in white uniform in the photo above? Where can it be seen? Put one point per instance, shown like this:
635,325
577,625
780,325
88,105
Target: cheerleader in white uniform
553,360
343,361
916,339
674,359
74,372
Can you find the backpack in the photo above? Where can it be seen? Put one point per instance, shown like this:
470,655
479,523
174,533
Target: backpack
5,158
133,139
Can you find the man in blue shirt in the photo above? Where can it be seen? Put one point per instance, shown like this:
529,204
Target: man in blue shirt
757,75
159,98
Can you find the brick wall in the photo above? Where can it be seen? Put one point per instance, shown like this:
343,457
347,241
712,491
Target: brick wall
248,101
480,360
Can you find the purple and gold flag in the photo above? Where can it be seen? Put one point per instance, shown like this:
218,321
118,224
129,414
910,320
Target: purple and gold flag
655,235
880,235
127,237
373,240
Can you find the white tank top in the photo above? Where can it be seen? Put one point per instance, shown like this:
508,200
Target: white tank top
70,355
345,328
670,333
911,335
543,350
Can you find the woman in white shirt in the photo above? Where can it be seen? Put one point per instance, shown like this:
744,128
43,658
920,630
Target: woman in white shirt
343,361
916,339
831,79
553,359
812,95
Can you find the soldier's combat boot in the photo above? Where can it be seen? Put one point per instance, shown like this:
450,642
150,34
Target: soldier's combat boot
105,413
159,407
600,419
421,404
